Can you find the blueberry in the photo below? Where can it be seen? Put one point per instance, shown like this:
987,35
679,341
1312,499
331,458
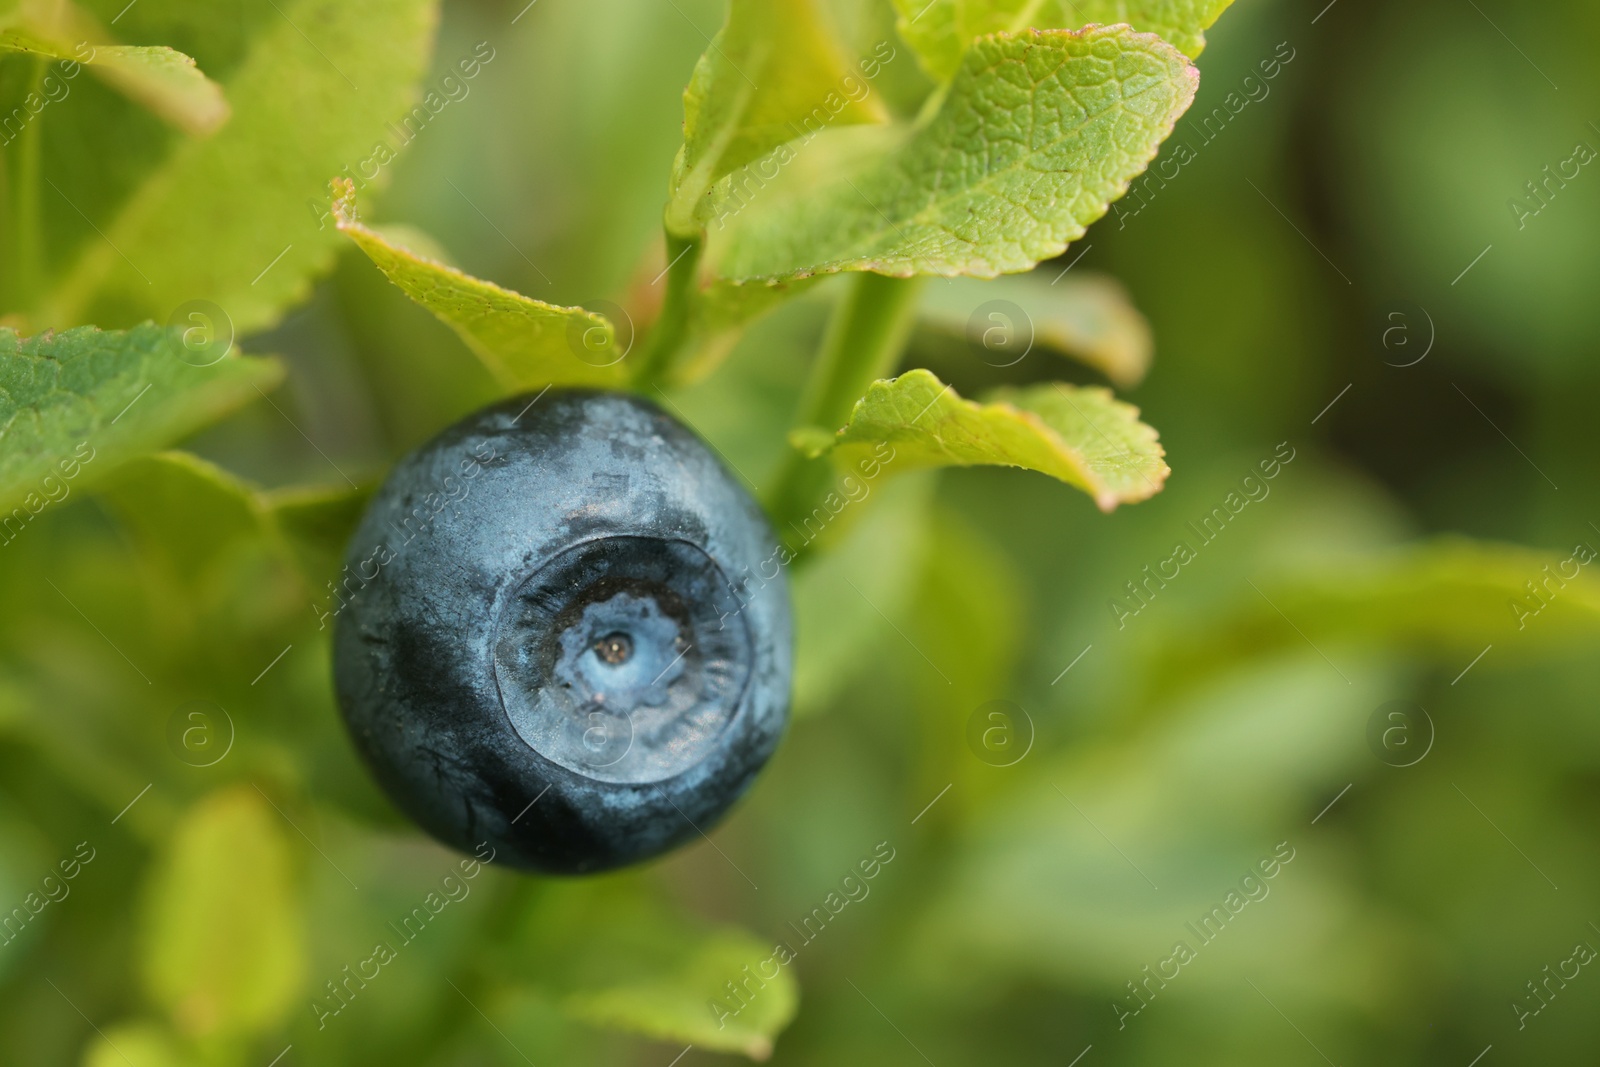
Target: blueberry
562,630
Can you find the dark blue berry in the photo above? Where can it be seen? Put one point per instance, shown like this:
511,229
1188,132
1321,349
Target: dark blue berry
563,630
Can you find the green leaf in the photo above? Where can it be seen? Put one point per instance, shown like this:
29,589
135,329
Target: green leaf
304,107
969,616
773,73
223,936
215,571
75,405
1038,135
218,35
317,522
184,511
1193,801
611,954
940,31
673,1002
163,80
1085,317
1442,602
869,566
195,520
1450,596
1080,435
1181,23
525,342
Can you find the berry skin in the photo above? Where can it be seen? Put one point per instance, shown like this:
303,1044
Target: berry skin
568,604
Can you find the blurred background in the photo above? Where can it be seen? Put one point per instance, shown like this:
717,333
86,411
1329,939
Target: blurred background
1340,276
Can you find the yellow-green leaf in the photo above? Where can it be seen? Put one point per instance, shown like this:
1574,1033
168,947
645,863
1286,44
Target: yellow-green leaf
1039,133
316,522
224,935
527,343
165,81
611,953
773,73
162,79
193,518
1086,317
1181,23
1449,596
1080,435
184,510
679,1002
940,31
242,218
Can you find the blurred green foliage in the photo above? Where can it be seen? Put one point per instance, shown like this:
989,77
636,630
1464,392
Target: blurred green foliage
167,730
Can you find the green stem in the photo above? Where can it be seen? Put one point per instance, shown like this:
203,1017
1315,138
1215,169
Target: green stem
864,342
671,328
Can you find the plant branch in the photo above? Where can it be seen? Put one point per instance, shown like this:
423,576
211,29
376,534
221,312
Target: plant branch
671,329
